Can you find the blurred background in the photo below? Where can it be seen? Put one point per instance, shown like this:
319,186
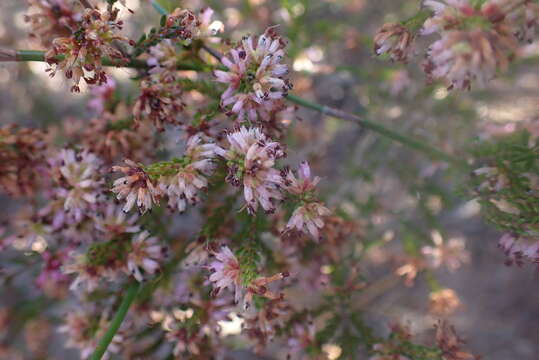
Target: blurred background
403,200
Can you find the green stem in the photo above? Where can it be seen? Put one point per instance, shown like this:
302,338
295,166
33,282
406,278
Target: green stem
36,55
116,321
380,129
161,10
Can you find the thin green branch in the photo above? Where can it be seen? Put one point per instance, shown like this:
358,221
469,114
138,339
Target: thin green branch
380,129
161,10
119,317
36,55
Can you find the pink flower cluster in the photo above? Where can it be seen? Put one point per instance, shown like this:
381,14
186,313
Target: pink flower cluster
255,76
477,39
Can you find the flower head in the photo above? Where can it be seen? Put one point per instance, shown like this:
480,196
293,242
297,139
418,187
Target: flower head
80,328
80,182
111,136
102,95
21,160
304,183
251,158
519,249
88,276
225,272
256,78
84,327
52,280
444,302
29,229
113,221
188,25
160,100
135,187
523,19
82,51
208,27
308,217
394,39
475,42
145,254
450,343
163,58
50,19
190,177
451,253
461,57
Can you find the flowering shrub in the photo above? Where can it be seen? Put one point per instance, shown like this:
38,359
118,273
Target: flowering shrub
477,38
505,183
182,207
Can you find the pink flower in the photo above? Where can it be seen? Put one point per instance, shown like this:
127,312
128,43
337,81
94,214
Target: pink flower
255,77
29,229
163,58
80,181
207,27
475,42
251,158
461,57
226,272
88,276
308,217
50,19
191,177
394,39
135,187
451,253
79,328
303,184
160,100
82,51
519,248
114,221
145,254
52,280
101,95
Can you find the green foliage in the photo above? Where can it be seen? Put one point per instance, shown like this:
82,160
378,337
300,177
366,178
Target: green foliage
398,344
106,253
415,23
122,124
506,183
217,218
349,332
249,256
206,87
250,248
477,3
167,167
